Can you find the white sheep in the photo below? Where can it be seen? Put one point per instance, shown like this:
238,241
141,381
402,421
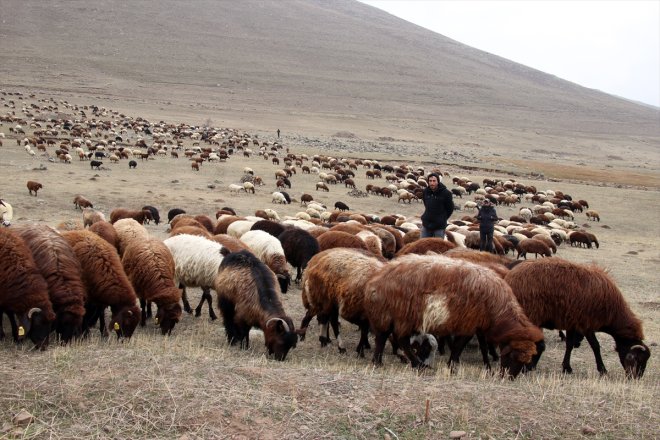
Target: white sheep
303,216
269,250
234,188
248,187
196,263
239,227
469,206
6,213
278,197
272,214
525,213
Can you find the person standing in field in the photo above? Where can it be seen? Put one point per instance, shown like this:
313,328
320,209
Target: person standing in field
278,133
487,218
438,207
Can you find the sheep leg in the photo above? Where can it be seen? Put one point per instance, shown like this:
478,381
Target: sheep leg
143,314
457,348
209,299
404,343
483,347
228,311
324,330
441,344
571,336
381,339
364,340
595,346
305,323
334,322
184,298
298,275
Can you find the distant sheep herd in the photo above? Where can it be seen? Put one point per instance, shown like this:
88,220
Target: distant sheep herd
421,294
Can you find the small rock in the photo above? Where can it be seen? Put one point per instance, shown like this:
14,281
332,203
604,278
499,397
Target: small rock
23,418
588,430
175,181
211,186
457,434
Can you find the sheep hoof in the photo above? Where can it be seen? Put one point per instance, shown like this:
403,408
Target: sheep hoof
342,350
324,341
567,370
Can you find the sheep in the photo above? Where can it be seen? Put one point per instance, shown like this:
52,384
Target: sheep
269,250
24,291
336,239
579,238
593,215
238,228
97,164
91,216
248,297
424,245
534,246
232,244
6,213
248,187
128,231
435,294
334,284
581,299
278,197
547,240
305,199
273,228
106,231
154,213
80,202
106,284
234,188
173,213
141,216
196,263
223,223
341,206
149,266
34,186
206,222
131,164
322,186
299,247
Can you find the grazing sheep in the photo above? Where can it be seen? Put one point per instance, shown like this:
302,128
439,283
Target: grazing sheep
341,206
129,231
269,250
593,215
34,186
91,216
79,202
24,291
61,270
418,294
106,231
154,213
248,297
536,247
299,247
131,164
97,164
150,268
238,228
581,299
234,188
334,284
106,284
196,263
305,199
141,216
278,197
424,245
248,187
273,228
173,213
322,186
6,213
579,238
337,239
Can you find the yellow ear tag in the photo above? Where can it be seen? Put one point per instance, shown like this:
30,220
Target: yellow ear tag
21,331
156,321
116,326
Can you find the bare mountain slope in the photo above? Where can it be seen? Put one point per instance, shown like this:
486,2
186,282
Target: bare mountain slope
325,59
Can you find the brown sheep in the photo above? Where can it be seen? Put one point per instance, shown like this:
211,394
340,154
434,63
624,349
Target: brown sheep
224,222
90,216
420,294
231,243
579,238
106,231
150,268
322,186
593,215
206,222
140,216
534,246
24,291
332,284
424,245
79,202
106,284
581,299
547,240
248,296
34,186
185,220
61,270
337,239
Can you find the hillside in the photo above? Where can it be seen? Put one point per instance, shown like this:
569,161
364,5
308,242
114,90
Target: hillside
308,66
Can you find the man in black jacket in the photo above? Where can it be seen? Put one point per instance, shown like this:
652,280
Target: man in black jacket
487,218
438,204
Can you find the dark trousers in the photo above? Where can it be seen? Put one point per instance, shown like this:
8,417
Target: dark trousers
486,240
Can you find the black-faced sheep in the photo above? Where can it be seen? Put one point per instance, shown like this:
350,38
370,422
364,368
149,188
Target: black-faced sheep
61,270
150,268
106,284
23,290
173,213
141,216
341,206
154,213
334,284
269,250
196,263
299,247
583,300
80,202
248,297
96,164
34,186
420,294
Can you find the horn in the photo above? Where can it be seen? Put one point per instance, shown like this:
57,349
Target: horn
638,347
286,326
283,277
33,310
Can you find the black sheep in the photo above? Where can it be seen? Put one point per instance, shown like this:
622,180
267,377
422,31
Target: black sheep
154,213
96,164
286,196
273,228
299,247
341,206
132,164
173,213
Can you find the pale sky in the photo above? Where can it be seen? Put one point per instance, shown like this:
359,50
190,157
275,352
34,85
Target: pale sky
612,46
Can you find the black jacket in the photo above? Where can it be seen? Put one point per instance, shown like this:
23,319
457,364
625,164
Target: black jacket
487,218
439,205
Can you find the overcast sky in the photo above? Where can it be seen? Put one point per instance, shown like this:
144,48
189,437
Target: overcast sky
613,46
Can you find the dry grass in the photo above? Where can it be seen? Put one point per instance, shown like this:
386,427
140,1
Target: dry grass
192,385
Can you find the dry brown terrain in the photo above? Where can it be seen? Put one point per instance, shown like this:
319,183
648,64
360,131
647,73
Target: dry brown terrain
338,78
192,385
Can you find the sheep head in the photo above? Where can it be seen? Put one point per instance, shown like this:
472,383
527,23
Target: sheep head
280,336
634,359
35,324
167,317
125,321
